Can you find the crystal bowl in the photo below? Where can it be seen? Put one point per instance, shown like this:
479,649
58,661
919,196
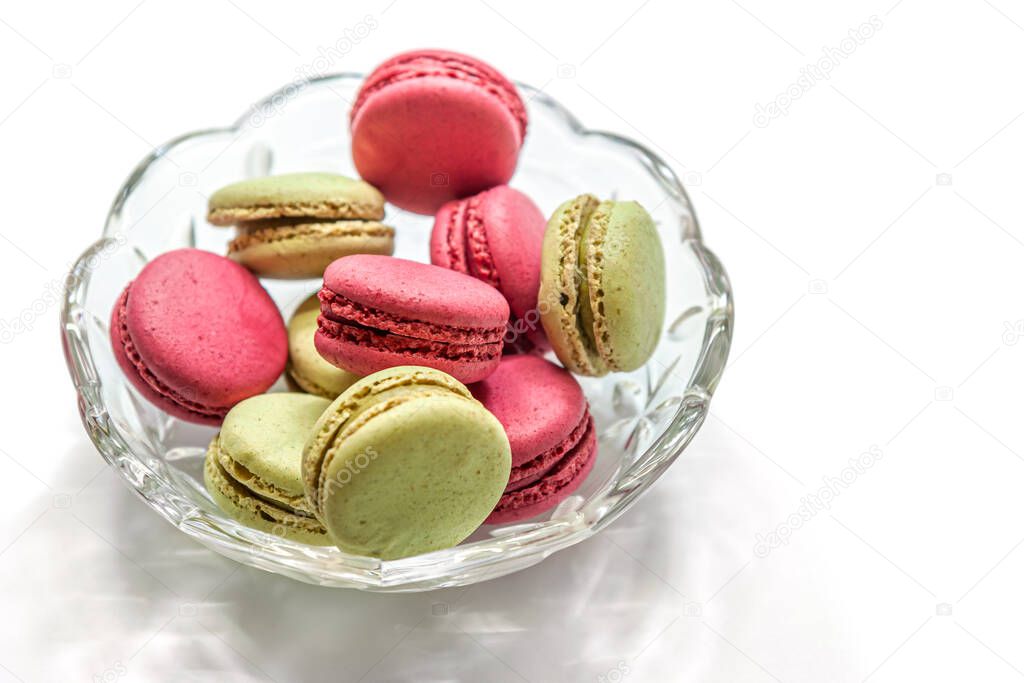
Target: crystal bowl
645,418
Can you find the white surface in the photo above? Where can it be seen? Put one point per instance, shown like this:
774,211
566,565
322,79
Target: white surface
876,306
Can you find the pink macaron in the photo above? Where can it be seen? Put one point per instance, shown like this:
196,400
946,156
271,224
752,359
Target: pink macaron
196,333
549,427
496,236
377,312
429,126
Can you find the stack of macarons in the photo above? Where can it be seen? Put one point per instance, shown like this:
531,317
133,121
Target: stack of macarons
422,404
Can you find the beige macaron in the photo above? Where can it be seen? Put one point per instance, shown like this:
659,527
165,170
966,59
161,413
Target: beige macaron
292,226
307,370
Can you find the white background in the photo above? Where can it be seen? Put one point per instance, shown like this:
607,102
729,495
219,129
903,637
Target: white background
879,303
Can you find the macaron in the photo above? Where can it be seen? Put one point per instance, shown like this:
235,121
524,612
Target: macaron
196,333
429,126
293,225
378,312
404,462
602,287
550,432
253,468
496,236
307,370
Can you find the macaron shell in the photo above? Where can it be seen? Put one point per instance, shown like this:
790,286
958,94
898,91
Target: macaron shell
305,250
260,487
240,505
349,403
177,408
320,195
626,272
434,137
204,330
283,503
265,434
537,402
552,489
424,62
420,476
418,291
306,367
204,323
515,235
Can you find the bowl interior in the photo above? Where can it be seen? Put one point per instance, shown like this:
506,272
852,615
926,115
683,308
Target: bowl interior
644,418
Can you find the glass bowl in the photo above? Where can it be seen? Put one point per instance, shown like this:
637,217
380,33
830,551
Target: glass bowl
645,418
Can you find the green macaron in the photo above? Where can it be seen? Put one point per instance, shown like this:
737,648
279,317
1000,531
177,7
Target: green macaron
307,370
602,290
253,467
405,462
294,225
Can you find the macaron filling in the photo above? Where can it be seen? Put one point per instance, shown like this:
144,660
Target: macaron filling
345,320
131,353
421,65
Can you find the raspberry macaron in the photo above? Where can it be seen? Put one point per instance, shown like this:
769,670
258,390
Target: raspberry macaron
378,312
550,431
429,126
196,333
496,236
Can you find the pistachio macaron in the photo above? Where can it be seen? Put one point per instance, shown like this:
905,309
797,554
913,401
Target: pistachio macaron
293,225
405,462
306,369
253,468
602,289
